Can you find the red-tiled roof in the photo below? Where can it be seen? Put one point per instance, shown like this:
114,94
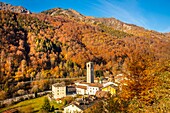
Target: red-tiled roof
82,87
96,85
84,83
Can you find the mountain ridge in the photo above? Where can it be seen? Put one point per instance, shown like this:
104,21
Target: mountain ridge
71,13
111,22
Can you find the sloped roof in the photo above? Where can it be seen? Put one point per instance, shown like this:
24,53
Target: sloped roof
82,106
82,87
62,84
75,105
96,85
111,85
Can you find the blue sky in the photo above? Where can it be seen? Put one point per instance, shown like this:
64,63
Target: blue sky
150,14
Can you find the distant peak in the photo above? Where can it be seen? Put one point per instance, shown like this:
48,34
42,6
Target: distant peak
64,12
16,9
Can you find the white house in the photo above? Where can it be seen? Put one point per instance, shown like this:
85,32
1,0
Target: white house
81,90
93,88
72,108
88,88
59,90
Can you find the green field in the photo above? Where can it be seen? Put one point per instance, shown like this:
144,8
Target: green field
32,105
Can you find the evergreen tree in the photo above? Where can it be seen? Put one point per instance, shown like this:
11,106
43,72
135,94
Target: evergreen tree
52,108
46,106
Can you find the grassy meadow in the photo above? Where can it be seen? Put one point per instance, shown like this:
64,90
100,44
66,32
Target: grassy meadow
32,105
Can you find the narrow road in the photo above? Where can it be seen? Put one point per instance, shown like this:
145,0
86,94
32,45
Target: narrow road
55,79
16,99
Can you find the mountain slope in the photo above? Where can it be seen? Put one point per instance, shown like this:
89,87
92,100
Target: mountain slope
61,39
109,22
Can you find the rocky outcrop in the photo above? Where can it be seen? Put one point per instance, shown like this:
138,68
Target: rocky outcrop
64,12
16,9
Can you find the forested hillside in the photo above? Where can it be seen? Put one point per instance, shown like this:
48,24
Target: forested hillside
40,46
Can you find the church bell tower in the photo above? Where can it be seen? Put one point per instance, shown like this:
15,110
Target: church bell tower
90,72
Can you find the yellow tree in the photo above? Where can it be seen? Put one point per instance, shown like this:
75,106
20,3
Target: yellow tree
143,65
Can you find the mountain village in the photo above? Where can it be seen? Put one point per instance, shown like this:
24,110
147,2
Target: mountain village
91,91
86,93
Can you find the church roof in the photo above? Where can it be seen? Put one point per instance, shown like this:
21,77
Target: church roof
82,87
96,85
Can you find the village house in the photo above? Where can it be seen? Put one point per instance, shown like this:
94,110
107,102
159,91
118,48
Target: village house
73,108
84,88
59,90
80,105
93,88
111,89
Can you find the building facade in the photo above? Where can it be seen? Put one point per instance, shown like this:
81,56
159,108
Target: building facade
111,89
88,88
93,88
59,90
81,90
72,108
